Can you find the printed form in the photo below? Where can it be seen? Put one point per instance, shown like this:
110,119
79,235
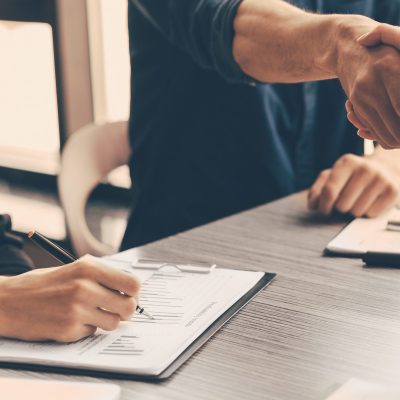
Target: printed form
184,305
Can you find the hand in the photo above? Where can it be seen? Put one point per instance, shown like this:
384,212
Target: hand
382,34
371,78
66,303
363,186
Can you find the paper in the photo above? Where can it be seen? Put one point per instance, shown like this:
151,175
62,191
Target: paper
362,235
184,304
360,390
35,389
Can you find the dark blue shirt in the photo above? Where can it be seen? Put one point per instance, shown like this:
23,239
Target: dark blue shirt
206,142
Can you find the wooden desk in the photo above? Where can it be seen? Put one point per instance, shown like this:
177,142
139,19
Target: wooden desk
323,321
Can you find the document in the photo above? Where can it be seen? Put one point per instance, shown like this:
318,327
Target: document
361,390
380,234
35,389
184,304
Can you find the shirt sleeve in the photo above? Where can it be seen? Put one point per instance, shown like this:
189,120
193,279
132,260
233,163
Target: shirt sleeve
13,261
201,28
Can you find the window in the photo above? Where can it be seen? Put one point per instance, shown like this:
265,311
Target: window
30,135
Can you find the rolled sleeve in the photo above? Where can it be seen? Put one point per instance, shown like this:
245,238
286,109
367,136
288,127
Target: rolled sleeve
204,29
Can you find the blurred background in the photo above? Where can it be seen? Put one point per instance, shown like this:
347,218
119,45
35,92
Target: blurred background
64,65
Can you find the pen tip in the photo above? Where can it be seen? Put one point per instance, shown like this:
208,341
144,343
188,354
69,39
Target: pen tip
148,315
31,233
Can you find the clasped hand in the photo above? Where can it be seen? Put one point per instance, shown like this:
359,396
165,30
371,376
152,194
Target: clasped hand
374,97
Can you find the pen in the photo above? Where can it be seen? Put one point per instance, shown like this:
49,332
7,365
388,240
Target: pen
65,257
381,259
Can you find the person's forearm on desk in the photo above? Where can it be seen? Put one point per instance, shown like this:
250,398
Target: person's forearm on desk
277,42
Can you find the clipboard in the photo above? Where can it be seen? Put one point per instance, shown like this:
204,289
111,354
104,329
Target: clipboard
176,363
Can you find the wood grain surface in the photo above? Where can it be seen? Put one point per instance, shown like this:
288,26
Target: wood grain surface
322,321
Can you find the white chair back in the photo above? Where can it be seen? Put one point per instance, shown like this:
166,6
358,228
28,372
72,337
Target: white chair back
88,157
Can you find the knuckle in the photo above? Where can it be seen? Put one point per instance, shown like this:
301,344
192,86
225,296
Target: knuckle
365,169
347,159
78,290
83,270
324,173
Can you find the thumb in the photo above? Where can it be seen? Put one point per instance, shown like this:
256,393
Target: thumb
382,34
370,39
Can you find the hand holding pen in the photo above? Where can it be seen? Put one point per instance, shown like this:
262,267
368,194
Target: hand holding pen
117,285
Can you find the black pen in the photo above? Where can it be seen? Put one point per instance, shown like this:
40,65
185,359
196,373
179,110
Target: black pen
65,257
381,259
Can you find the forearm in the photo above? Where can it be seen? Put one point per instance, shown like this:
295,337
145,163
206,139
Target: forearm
277,42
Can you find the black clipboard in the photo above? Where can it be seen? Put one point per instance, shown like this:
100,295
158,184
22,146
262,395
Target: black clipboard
177,363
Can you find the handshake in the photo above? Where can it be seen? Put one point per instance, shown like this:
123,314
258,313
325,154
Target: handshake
374,97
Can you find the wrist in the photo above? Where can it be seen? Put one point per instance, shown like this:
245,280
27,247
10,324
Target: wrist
346,30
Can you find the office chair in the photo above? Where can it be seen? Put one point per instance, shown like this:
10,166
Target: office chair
88,157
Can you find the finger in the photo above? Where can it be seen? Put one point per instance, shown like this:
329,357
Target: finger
352,117
103,319
354,188
364,122
88,267
115,303
386,200
391,119
316,189
366,135
341,173
349,106
368,197
384,33
376,126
